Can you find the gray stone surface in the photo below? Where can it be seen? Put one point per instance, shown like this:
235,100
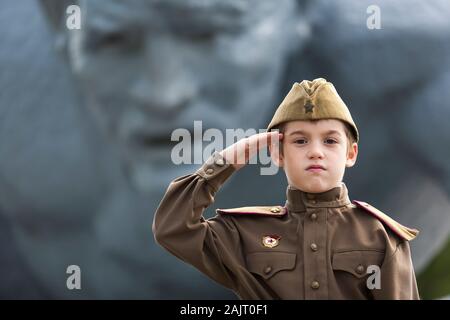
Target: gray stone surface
82,171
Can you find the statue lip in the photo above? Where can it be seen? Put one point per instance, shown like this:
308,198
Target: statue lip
150,140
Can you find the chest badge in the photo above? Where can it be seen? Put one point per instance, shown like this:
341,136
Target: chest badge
271,241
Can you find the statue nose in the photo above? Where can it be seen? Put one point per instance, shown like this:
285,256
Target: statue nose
167,82
164,96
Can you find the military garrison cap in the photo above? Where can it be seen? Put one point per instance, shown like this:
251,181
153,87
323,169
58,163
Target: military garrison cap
313,100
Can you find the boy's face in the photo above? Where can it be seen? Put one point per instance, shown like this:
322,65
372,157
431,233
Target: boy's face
321,143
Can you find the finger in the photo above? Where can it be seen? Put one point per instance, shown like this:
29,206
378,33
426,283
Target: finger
246,148
257,141
241,151
267,138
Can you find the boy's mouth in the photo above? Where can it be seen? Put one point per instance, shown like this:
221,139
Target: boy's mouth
315,168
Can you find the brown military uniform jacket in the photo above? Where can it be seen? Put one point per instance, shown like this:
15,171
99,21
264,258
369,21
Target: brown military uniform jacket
317,246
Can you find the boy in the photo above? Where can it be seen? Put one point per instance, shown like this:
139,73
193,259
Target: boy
319,245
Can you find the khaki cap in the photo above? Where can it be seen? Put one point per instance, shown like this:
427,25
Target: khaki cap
313,100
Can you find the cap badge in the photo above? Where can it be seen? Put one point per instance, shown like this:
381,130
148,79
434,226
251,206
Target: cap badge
308,107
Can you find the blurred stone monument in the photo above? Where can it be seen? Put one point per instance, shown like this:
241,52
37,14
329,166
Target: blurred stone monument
90,114
87,116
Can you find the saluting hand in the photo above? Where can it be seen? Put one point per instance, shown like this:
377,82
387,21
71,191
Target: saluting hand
239,153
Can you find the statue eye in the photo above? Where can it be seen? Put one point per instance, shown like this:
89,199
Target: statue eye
117,40
113,39
202,36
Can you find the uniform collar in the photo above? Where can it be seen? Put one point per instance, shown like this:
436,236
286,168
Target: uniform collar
298,200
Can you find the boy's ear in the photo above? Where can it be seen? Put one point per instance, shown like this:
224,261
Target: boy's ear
275,153
352,155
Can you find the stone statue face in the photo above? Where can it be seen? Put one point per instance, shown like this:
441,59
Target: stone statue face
147,68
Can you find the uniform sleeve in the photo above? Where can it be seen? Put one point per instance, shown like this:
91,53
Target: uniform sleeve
398,280
212,246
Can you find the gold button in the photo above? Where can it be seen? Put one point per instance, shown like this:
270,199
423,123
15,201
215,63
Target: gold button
360,269
313,216
315,285
267,269
313,247
220,162
275,210
209,171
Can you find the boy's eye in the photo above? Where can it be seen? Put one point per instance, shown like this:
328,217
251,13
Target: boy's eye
330,141
300,141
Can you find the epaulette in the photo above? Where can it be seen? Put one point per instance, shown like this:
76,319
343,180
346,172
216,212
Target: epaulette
399,229
273,211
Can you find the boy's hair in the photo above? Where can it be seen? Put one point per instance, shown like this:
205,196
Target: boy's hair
348,132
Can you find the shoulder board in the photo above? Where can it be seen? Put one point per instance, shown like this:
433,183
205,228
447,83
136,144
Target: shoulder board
399,229
272,211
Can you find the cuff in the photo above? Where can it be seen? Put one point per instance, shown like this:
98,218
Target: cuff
216,170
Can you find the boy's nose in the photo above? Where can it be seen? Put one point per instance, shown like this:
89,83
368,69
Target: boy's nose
315,152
